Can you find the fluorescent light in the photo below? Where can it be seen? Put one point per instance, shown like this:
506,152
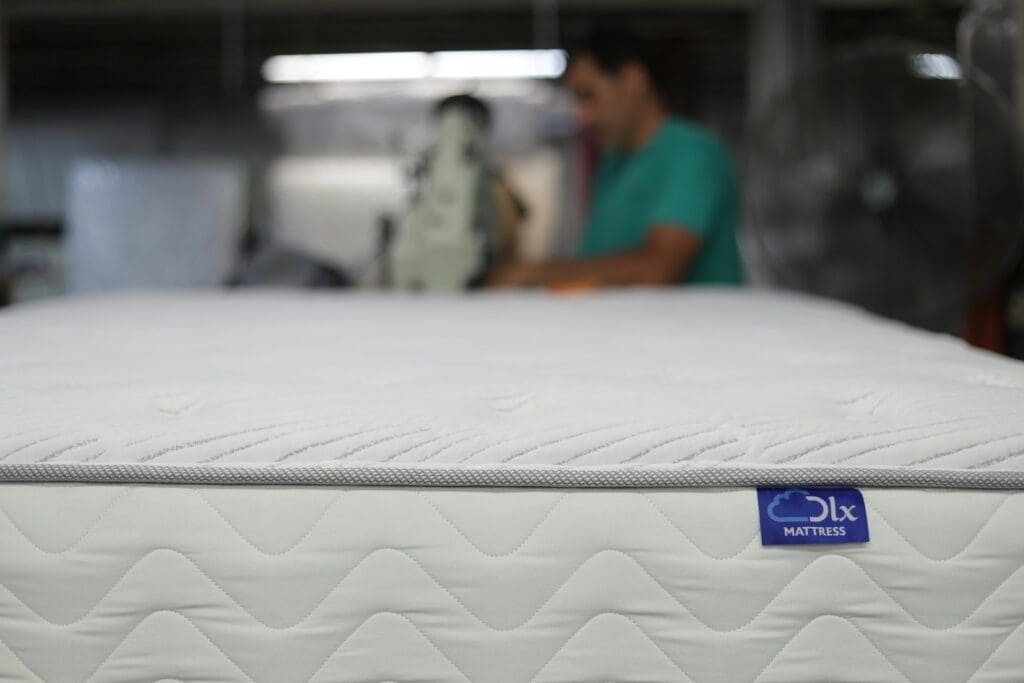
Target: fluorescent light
404,66
369,66
939,66
499,64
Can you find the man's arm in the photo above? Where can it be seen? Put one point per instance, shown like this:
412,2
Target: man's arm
663,259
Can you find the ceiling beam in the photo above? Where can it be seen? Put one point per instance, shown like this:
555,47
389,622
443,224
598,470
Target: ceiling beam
66,8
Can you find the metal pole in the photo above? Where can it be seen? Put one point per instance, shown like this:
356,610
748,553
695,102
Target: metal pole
232,47
3,106
1018,11
783,44
545,24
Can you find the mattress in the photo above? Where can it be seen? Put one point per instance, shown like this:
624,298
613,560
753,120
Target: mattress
504,487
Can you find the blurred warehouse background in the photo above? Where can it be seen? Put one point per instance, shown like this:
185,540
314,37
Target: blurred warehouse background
158,113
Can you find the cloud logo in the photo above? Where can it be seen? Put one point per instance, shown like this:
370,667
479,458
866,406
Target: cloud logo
792,505
799,516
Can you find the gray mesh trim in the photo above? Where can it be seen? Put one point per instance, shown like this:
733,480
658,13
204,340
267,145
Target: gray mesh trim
372,474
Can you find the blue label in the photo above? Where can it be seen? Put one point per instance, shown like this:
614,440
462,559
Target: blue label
800,516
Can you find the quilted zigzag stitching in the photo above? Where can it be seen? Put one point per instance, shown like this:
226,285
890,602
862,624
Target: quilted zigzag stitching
646,496
660,511
632,622
998,648
536,612
863,635
120,579
339,496
778,593
362,625
355,630
331,505
312,527
194,625
415,626
571,636
995,511
22,662
530,534
902,608
981,604
74,544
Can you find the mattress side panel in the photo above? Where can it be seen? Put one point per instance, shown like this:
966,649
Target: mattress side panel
354,584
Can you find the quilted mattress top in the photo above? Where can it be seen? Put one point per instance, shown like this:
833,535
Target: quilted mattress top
682,388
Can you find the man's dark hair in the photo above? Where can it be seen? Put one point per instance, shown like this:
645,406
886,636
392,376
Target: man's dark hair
477,107
611,49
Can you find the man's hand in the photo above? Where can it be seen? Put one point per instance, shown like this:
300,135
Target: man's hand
662,260
515,275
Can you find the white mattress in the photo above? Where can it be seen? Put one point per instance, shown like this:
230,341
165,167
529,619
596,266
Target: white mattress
276,487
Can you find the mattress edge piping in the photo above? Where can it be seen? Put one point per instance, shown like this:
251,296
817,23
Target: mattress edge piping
489,476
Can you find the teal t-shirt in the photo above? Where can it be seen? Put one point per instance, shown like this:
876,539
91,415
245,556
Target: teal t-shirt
684,176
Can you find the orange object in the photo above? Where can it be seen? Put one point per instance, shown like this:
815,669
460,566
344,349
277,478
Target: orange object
983,326
573,287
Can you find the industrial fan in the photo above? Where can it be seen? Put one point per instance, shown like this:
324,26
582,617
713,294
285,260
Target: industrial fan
891,179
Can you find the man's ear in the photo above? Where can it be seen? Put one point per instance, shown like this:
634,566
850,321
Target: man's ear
634,78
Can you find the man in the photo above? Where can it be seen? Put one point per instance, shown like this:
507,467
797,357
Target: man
665,202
